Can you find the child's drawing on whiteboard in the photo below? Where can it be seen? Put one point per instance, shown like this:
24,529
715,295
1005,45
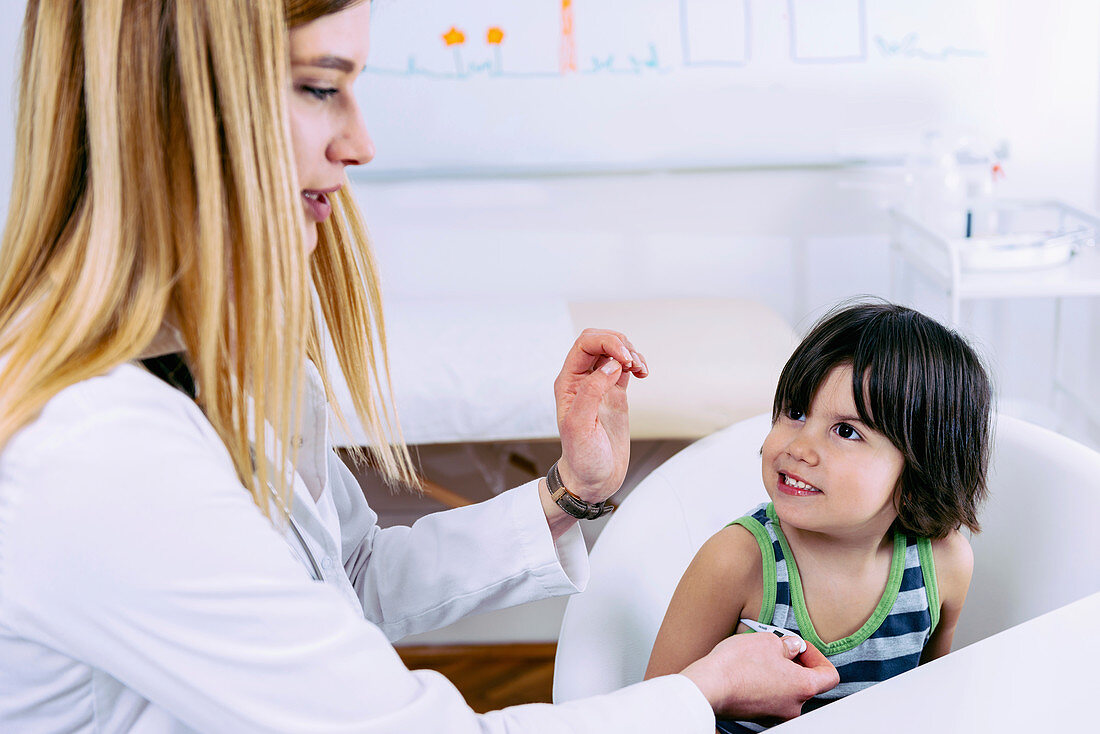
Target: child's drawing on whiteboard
546,38
567,55
828,30
716,34
454,39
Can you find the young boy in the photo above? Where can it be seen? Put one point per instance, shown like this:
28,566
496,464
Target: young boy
877,456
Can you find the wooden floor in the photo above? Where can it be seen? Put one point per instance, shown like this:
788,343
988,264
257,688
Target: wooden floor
490,676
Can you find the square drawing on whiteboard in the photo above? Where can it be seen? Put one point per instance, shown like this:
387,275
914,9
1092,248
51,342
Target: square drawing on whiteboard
828,30
715,33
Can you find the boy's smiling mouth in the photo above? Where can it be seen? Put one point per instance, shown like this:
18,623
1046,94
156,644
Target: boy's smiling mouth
796,487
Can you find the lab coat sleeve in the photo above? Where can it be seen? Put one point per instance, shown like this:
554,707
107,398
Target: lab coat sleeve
127,543
486,556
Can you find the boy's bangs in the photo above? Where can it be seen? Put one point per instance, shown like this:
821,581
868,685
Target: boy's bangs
801,379
883,364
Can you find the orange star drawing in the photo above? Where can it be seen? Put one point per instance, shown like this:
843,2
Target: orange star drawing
495,36
454,36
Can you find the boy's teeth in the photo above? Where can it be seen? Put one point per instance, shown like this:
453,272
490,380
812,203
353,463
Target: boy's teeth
311,195
796,483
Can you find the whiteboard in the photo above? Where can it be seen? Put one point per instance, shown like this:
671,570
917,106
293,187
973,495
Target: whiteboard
587,85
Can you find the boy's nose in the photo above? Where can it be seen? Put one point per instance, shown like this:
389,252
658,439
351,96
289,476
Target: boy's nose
802,448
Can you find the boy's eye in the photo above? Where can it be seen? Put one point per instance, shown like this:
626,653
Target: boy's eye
845,430
795,415
321,93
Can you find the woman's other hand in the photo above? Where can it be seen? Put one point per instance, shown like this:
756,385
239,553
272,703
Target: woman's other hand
760,676
590,393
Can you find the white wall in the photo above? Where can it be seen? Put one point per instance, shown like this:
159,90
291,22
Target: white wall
602,237
798,240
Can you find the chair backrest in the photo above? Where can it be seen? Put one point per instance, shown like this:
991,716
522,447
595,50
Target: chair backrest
608,630
1038,547
1032,556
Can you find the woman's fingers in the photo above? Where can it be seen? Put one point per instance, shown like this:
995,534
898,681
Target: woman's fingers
821,675
753,677
593,344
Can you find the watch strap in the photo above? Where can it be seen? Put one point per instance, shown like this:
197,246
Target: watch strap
571,503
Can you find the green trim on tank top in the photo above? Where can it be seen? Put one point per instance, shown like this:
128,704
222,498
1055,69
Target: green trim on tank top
767,602
931,583
798,602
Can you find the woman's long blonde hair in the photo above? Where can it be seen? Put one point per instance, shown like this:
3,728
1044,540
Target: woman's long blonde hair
154,180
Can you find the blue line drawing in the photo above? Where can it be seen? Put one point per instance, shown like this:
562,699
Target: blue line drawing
610,64
860,56
685,40
494,68
907,47
474,69
637,65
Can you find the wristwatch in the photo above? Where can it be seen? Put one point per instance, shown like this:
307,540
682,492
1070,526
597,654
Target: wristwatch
571,503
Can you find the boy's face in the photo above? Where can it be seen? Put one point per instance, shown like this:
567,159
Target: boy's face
826,471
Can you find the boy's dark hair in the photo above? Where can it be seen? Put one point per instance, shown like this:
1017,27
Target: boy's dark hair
919,384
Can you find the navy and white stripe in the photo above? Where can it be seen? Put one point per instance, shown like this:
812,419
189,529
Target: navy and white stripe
875,652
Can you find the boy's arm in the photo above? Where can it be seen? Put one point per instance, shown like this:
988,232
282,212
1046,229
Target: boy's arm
708,601
954,564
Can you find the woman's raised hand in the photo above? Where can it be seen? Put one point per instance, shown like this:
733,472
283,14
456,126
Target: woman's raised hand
590,393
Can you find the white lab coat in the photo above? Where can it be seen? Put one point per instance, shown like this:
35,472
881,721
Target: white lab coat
142,591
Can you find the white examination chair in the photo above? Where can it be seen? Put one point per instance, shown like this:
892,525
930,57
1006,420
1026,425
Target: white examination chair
1036,551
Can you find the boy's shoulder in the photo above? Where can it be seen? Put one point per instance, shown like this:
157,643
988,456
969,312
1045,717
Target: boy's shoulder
954,559
954,548
732,553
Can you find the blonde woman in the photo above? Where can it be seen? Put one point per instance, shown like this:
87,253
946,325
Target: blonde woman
165,566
